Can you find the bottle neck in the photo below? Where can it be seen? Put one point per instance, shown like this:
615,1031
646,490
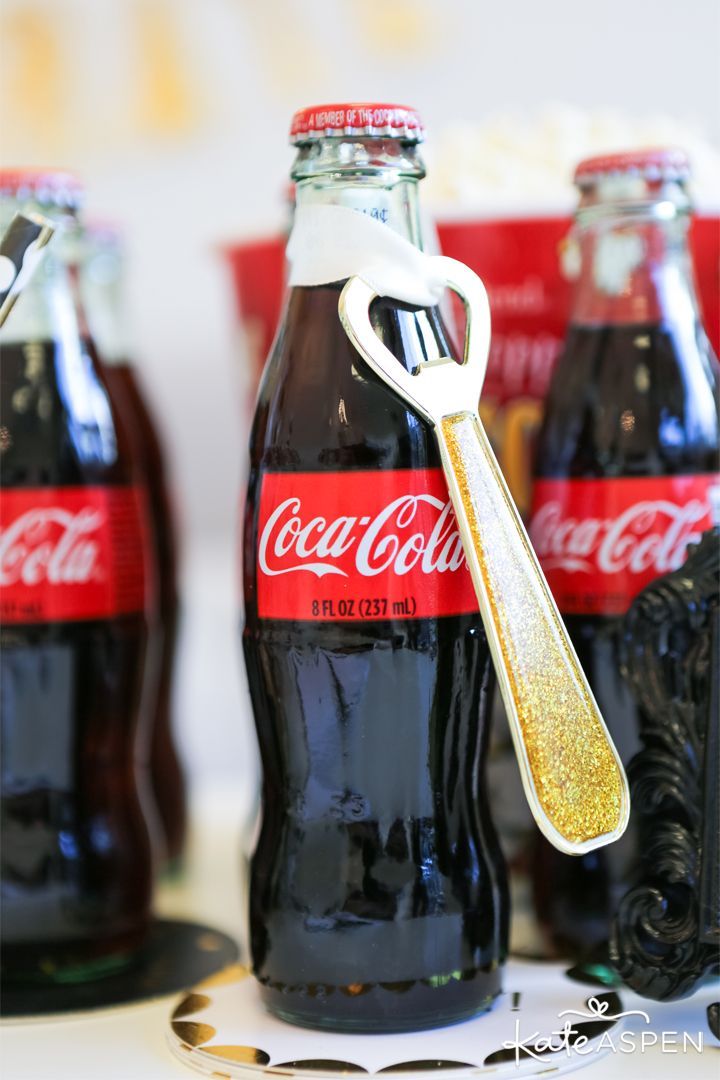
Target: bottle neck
48,312
635,266
46,308
377,177
100,279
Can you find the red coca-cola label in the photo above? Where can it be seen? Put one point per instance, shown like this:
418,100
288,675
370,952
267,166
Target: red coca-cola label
72,553
601,541
360,545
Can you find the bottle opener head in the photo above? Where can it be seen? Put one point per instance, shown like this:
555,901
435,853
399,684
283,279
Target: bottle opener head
428,389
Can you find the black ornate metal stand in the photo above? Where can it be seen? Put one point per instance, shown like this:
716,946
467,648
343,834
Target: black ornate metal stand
666,935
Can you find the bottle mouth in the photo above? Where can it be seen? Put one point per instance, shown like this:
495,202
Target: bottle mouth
628,198
657,210
380,161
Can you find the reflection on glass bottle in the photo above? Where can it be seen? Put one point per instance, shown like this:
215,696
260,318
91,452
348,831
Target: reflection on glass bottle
100,278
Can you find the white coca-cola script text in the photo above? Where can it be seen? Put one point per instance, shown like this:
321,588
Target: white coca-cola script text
50,545
411,531
651,534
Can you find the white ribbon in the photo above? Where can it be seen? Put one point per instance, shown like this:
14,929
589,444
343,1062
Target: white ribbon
331,243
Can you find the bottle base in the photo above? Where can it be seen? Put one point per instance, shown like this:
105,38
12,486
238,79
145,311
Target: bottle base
374,1008
70,961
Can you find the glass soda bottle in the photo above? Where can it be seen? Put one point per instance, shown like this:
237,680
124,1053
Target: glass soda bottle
625,460
101,286
378,897
75,583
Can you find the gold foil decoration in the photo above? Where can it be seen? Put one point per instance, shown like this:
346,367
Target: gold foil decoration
296,56
412,29
227,975
243,1055
192,1032
35,79
425,1065
191,1003
572,775
167,95
209,942
321,1065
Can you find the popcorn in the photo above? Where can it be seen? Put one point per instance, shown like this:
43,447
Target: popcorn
518,164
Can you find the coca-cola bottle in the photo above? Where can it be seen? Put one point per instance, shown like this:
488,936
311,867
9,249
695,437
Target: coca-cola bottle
378,896
625,459
101,282
75,574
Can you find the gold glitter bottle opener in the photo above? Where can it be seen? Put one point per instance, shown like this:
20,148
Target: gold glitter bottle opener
572,775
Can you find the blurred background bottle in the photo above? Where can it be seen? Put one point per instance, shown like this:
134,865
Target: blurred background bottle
76,582
625,458
101,288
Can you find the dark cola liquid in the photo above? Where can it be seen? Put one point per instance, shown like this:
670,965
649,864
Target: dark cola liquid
626,401
166,777
76,868
378,894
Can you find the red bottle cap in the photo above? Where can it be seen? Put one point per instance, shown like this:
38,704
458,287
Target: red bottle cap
664,163
53,186
360,119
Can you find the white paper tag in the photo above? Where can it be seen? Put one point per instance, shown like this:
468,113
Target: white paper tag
617,255
331,243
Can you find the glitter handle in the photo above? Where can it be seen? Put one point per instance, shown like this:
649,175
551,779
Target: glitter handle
570,769
573,778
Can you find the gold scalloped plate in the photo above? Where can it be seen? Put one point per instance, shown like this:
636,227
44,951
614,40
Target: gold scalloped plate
221,1029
